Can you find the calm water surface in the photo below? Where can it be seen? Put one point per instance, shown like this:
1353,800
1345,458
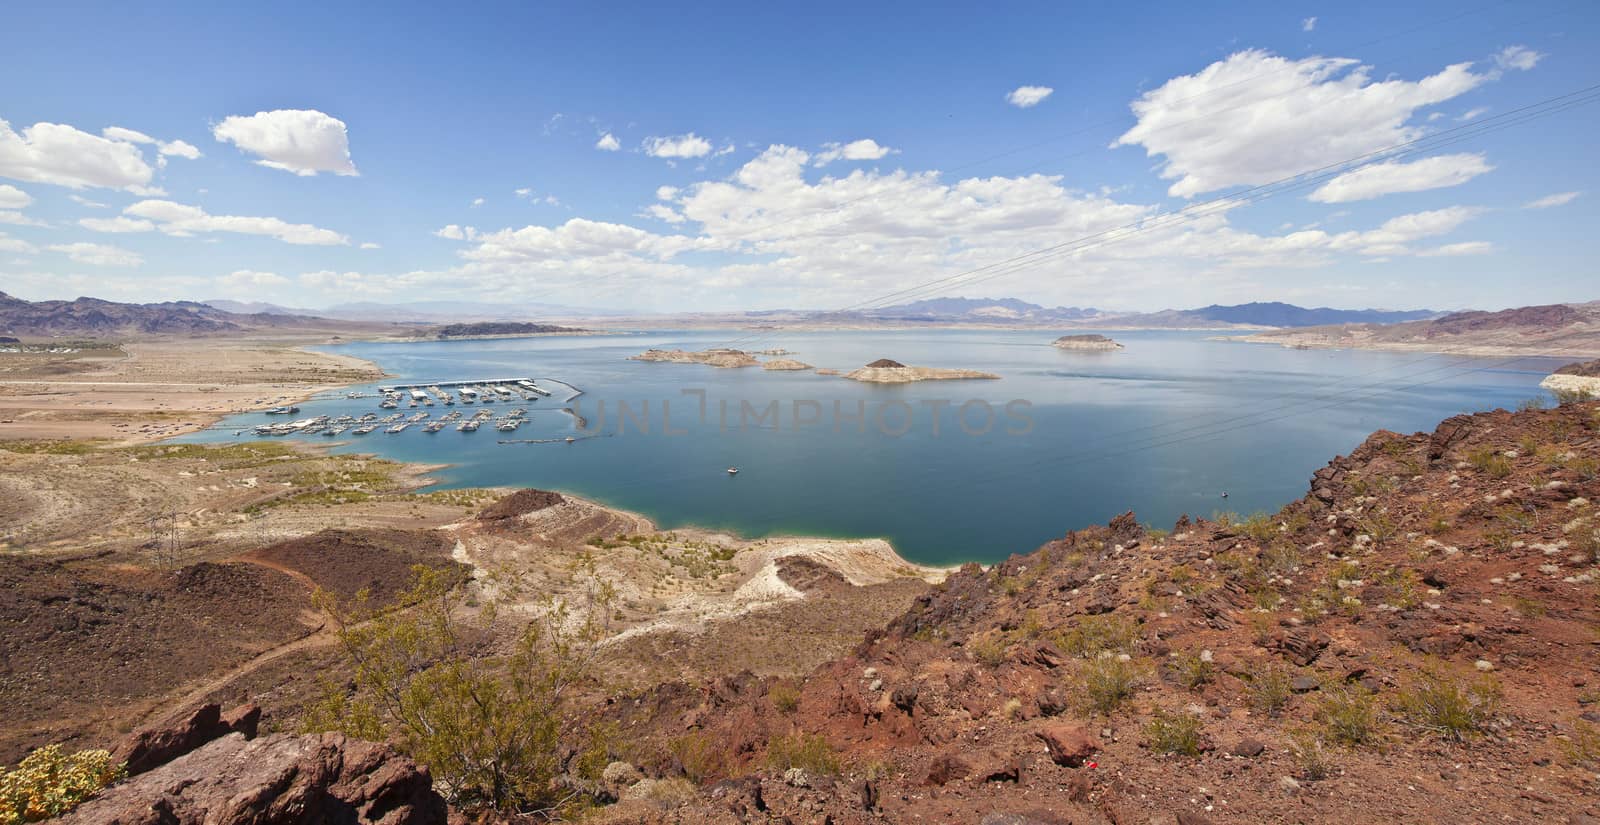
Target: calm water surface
1163,427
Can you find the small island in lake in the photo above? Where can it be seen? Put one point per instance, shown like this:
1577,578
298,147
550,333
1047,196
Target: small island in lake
785,364
485,329
1088,343
886,371
721,358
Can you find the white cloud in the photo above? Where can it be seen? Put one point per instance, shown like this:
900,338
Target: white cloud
477,202
118,224
371,245
1548,201
182,221
1458,249
456,233
524,192
1397,176
1026,97
13,198
680,146
1520,58
608,143
96,254
666,193
1308,24
864,149
83,201
302,141
58,154
666,213
250,282
1255,117
180,149
1473,114
16,245
16,218
127,135
347,283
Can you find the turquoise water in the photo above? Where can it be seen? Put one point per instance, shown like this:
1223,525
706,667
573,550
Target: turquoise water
1163,427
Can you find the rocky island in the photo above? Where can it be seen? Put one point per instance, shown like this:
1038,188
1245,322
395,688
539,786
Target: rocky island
886,371
789,364
721,358
1086,343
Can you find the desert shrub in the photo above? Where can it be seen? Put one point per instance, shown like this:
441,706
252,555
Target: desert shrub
1587,467
669,792
49,782
1092,635
698,755
1350,717
1270,690
1536,402
785,697
988,649
1310,755
1108,681
1192,669
1258,526
1488,460
1578,395
1177,733
489,724
1451,707
1583,747
809,752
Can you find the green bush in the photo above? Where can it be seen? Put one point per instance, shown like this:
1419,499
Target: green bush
1107,682
48,783
1350,717
1491,461
1192,670
1270,690
431,676
1177,733
1453,708
698,755
785,697
1310,755
1092,635
809,752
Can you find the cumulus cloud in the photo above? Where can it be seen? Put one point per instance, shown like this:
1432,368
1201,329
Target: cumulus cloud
249,281
1213,129
680,146
15,218
608,143
1392,176
13,198
119,224
1308,24
864,149
182,220
61,155
302,141
16,245
456,233
1548,201
666,213
1026,97
180,149
96,254
371,245
1519,58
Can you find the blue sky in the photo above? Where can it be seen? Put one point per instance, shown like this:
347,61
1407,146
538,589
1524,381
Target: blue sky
314,154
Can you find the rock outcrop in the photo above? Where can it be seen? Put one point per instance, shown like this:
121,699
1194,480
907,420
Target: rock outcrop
157,746
273,780
1086,343
887,371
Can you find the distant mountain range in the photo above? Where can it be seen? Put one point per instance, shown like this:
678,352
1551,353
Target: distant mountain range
92,317
1003,310
424,312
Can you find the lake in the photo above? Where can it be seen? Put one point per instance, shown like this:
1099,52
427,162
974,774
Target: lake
948,471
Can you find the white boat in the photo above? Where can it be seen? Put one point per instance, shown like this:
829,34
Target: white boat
733,471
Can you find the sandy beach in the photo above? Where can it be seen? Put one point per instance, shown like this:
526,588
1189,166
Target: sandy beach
147,390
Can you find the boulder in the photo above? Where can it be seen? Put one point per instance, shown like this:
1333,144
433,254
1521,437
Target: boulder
1069,744
273,780
157,746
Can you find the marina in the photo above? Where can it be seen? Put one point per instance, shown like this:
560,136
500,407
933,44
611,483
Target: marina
419,396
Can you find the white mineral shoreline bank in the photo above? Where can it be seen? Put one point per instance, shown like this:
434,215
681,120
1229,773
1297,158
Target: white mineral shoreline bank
1572,383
